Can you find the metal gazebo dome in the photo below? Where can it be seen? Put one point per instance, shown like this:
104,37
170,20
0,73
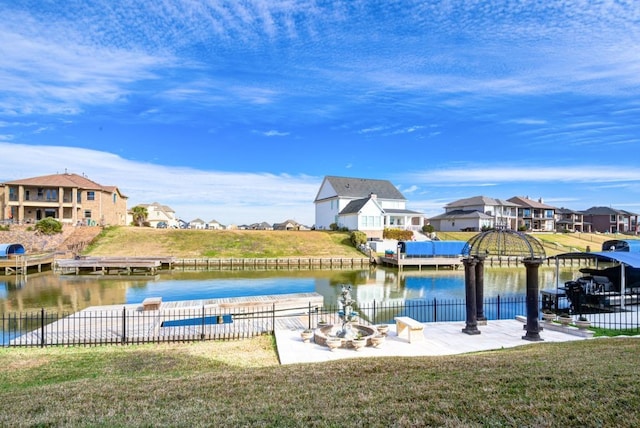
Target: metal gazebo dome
504,242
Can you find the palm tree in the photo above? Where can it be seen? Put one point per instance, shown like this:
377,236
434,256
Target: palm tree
139,215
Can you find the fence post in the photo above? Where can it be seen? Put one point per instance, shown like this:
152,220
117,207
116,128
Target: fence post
124,325
273,318
309,315
42,341
202,332
498,307
374,312
435,310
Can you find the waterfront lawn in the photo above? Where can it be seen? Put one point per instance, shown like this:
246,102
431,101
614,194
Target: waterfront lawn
133,241
239,383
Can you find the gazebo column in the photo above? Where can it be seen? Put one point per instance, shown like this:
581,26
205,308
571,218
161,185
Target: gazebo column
482,320
533,321
470,294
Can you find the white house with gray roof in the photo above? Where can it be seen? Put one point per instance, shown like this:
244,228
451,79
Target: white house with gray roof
476,213
363,204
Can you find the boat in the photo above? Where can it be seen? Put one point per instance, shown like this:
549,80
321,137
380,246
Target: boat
612,284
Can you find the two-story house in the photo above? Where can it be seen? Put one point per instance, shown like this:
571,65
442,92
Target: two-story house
475,214
69,198
568,220
363,204
158,213
534,215
611,220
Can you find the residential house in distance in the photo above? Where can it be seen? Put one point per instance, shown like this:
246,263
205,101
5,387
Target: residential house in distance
475,214
535,215
158,213
288,225
611,220
197,223
70,198
214,225
568,220
363,204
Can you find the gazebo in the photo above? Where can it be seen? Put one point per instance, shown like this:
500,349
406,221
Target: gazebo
501,243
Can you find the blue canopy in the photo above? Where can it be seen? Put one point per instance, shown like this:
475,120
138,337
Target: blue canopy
9,249
628,258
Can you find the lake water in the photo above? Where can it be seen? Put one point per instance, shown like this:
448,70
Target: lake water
382,285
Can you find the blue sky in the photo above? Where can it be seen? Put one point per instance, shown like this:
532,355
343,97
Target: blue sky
236,110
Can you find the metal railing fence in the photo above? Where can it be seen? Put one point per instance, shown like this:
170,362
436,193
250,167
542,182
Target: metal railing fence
134,326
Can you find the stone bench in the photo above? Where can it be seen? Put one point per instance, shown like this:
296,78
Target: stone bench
151,303
415,329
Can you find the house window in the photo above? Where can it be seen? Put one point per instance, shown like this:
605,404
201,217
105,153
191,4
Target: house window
526,212
79,197
91,196
115,198
13,194
87,214
52,195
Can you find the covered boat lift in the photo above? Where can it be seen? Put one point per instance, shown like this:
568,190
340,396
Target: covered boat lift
620,282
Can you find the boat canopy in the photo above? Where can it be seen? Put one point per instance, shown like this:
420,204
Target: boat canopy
629,245
432,248
628,258
7,250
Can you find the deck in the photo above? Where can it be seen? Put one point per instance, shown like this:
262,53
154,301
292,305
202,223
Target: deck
226,318
21,264
422,262
112,265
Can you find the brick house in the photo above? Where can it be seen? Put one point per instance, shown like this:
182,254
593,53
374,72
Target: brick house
70,198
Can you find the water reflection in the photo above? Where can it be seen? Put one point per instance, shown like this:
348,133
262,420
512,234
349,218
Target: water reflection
383,285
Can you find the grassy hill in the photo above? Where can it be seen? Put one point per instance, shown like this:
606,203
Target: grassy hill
133,241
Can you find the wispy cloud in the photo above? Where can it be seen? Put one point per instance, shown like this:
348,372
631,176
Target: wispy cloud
228,196
274,133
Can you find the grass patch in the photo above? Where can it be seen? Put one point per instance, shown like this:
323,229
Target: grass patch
586,383
133,241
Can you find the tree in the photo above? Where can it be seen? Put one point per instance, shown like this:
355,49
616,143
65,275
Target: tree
48,226
139,215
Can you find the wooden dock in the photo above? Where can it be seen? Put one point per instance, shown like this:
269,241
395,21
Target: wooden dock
21,264
206,319
112,265
422,262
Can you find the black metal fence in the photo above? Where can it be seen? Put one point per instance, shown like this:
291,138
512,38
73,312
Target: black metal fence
134,326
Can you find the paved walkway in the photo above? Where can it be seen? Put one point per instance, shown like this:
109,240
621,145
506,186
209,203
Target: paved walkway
441,338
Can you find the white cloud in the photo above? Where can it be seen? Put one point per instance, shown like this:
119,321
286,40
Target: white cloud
229,197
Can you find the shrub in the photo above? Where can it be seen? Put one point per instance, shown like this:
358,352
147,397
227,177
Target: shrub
427,228
4,228
358,238
48,226
333,226
397,234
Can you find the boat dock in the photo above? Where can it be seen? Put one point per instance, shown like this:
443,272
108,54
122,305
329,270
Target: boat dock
20,264
205,319
422,262
113,265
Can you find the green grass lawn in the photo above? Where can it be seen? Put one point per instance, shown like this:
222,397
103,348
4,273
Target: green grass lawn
239,383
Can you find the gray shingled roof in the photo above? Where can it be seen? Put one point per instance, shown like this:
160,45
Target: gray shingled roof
480,200
363,187
462,214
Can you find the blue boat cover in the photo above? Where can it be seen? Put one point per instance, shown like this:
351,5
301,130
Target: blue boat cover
8,249
432,248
